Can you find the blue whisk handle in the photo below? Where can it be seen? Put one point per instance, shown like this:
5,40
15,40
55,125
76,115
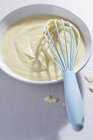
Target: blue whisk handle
73,100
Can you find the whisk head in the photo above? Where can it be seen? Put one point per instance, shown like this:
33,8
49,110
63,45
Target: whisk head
63,39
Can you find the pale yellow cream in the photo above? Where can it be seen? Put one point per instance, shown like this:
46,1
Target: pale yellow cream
25,53
89,76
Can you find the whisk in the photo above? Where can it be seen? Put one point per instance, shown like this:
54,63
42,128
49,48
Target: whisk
63,39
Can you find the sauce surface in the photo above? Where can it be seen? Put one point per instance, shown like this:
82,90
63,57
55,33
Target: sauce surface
25,51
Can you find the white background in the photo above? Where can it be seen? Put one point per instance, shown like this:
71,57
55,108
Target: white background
23,113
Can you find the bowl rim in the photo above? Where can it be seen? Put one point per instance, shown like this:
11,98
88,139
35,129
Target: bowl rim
56,80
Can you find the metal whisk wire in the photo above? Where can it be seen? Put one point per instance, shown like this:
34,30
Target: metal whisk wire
63,61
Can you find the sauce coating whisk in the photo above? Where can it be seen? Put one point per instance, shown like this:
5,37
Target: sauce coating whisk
63,39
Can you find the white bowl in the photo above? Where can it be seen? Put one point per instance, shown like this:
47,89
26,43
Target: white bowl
50,10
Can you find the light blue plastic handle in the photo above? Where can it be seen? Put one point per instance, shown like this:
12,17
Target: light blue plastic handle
73,100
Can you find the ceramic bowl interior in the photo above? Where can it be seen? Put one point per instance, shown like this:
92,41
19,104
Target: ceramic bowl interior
49,10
